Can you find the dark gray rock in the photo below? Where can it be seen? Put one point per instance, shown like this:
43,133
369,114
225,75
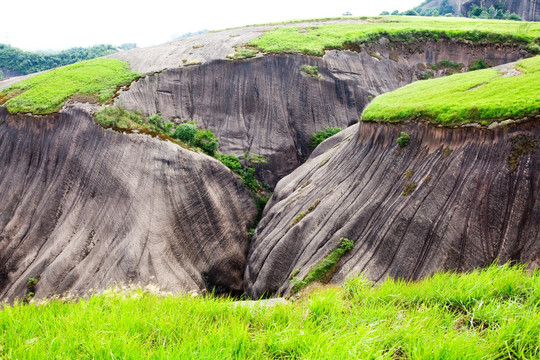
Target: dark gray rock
269,107
468,209
85,208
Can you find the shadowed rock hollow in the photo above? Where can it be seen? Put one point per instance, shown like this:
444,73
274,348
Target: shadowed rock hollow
469,205
84,208
270,107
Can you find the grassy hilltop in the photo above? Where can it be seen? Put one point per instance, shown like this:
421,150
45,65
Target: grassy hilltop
99,78
481,96
489,314
314,39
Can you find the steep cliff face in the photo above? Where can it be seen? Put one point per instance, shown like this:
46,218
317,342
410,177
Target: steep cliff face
471,197
529,10
84,208
270,107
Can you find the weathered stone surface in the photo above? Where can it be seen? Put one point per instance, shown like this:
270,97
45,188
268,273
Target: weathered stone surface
529,10
268,106
468,208
83,208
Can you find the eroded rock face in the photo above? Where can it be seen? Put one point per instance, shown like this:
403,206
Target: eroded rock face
84,208
270,107
468,205
529,10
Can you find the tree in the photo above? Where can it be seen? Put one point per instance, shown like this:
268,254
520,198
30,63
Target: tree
1,74
395,12
384,13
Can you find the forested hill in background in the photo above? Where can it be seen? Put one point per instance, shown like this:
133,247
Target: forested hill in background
528,10
14,61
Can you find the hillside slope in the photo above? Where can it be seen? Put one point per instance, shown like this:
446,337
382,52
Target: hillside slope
452,199
84,208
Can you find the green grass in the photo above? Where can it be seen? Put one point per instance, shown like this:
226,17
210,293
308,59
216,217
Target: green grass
94,80
481,96
488,314
314,39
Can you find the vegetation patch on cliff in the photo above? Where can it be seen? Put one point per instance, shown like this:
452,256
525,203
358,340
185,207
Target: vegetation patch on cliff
487,314
315,39
481,96
323,271
95,80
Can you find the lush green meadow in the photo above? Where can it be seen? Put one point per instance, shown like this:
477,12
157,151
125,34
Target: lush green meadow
488,314
95,80
314,39
481,96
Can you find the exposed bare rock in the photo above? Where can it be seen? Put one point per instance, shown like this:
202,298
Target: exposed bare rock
270,107
473,199
529,10
84,208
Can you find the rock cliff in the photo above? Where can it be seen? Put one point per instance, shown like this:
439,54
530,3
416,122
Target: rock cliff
84,208
270,107
529,10
452,199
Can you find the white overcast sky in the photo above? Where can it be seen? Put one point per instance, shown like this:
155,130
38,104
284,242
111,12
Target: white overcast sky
61,24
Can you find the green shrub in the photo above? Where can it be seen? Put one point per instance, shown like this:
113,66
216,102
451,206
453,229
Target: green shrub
206,141
322,135
409,188
478,65
185,132
156,120
116,117
403,140
246,173
310,70
324,270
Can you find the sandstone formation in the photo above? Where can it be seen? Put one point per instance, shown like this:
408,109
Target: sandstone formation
84,208
270,107
472,200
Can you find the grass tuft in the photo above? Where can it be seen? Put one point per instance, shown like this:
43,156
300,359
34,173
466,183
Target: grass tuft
324,270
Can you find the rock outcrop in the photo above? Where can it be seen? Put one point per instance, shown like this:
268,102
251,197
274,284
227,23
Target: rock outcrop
529,10
270,107
452,199
85,208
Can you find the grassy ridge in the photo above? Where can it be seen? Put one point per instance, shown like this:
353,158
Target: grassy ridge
46,93
314,39
490,314
480,96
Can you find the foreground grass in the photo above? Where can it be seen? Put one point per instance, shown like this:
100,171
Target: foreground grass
94,80
314,39
489,314
481,96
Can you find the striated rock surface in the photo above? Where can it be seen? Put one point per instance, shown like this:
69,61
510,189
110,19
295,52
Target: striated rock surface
529,10
84,208
468,206
270,107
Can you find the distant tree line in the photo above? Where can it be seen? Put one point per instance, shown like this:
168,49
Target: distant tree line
15,61
445,9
